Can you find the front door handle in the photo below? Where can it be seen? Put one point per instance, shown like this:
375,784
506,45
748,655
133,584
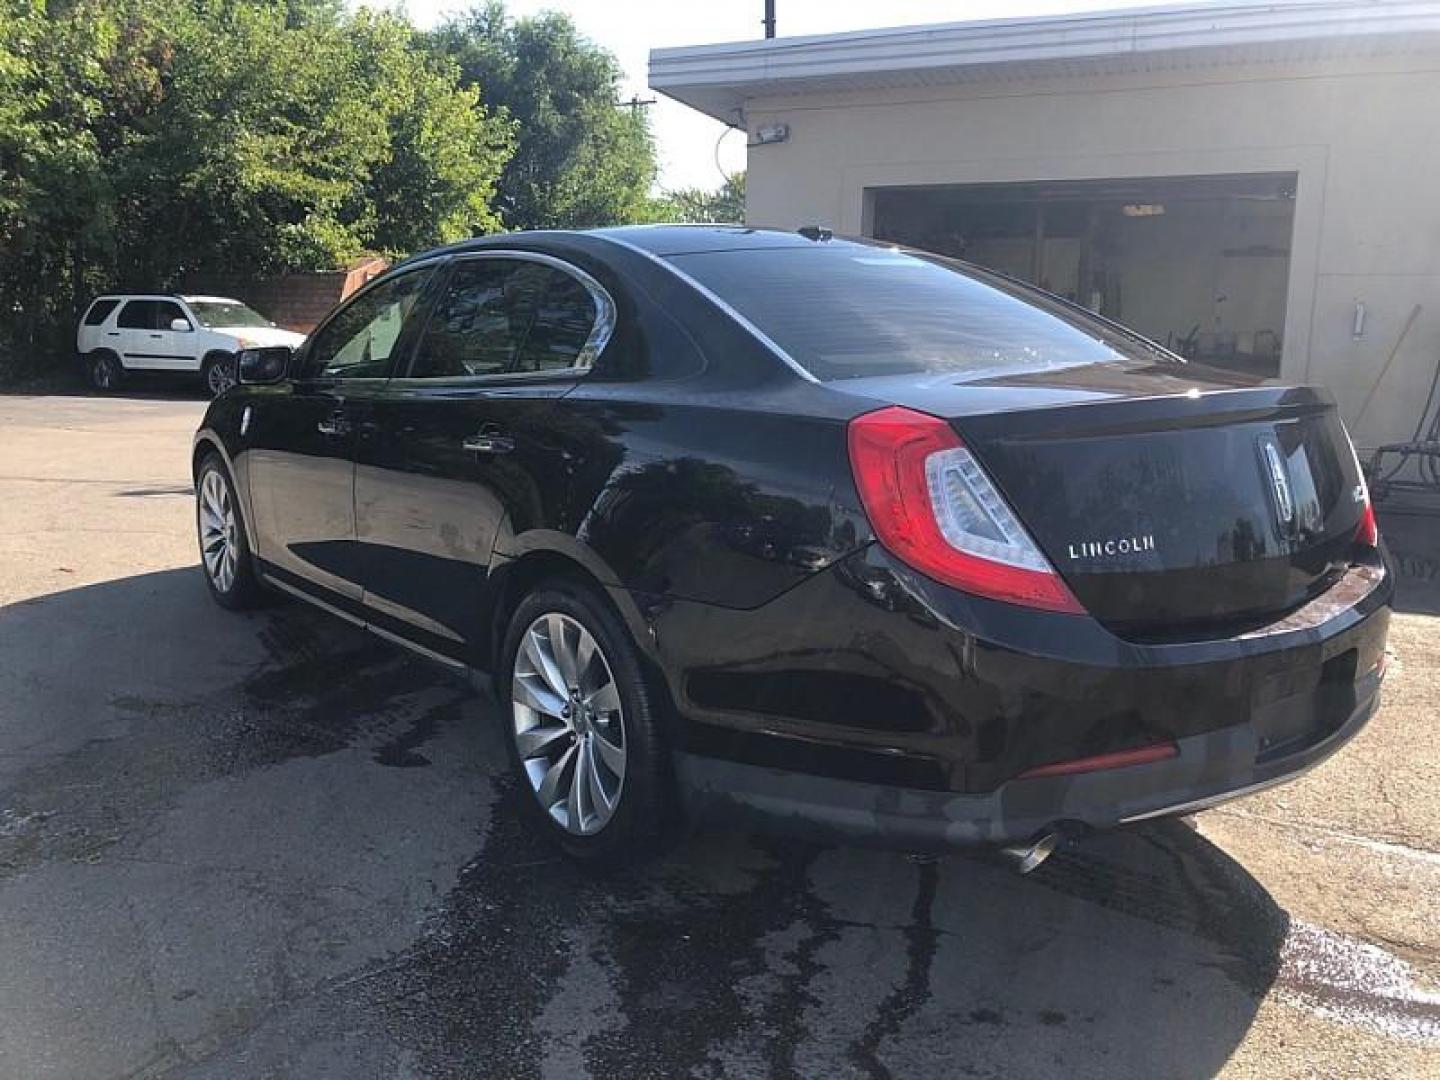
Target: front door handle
334,424
490,440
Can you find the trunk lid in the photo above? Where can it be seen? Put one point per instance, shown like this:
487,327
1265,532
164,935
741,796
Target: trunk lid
1172,510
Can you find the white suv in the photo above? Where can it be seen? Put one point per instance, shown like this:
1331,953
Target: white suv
172,333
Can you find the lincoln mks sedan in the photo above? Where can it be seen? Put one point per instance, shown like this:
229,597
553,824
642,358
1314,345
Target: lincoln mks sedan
851,540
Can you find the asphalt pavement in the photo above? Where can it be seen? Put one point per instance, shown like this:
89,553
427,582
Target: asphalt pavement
268,845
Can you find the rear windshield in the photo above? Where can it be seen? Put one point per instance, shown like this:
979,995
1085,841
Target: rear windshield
845,311
212,314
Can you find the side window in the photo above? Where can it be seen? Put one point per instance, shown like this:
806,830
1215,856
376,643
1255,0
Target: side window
99,311
563,317
137,315
358,342
166,312
499,316
473,330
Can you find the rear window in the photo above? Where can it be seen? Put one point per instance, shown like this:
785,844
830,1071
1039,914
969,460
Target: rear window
98,311
847,311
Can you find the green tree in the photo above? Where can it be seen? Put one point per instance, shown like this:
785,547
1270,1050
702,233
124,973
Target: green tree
579,160
142,141
725,205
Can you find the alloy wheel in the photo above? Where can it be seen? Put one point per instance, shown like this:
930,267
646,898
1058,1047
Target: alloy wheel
569,725
218,531
218,378
103,374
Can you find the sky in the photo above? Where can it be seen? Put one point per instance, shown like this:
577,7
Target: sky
690,143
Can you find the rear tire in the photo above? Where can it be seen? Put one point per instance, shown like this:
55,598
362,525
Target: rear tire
218,373
224,551
583,726
106,374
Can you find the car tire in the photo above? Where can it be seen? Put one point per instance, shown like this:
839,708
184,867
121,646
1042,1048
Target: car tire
106,374
225,560
618,754
218,373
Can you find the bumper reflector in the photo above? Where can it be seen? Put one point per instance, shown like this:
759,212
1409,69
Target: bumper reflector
1142,755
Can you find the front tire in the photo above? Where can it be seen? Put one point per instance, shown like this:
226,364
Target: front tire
105,371
584,728
218,373
224,551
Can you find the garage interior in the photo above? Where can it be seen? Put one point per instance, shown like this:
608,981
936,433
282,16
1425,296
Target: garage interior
1200,264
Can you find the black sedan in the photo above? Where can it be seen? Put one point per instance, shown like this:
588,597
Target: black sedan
856,540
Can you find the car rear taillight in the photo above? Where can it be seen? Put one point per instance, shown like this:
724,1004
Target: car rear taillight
1368,534
933,507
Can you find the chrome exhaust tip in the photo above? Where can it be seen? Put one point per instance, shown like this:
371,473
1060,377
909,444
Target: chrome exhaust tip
1027,857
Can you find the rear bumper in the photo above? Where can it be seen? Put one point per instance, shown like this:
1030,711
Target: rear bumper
1209,769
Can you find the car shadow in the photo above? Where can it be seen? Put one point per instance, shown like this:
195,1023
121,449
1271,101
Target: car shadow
149,386
139,723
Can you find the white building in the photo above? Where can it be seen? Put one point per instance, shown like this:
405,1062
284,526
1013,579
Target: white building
1256,184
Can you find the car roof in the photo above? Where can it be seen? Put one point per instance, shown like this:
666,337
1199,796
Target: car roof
210,300
655,239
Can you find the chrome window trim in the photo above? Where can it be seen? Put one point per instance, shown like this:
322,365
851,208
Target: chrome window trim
724,305
600,333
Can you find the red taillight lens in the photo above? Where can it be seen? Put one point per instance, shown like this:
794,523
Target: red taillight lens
934,508
1368,534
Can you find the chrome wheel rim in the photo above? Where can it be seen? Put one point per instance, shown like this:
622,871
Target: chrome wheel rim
218,533
569,726
102,373
219,378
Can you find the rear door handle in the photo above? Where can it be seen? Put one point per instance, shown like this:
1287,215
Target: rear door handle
490,441
334,424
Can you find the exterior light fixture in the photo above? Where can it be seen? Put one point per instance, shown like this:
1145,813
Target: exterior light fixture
771,133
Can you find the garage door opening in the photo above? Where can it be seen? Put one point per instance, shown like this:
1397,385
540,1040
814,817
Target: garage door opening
1200,264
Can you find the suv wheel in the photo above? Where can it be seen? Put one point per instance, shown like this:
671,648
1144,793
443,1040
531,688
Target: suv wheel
218,373
224,551
105,371
584,727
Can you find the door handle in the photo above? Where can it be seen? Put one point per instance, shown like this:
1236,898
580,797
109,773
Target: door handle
489,441
334,424
156,336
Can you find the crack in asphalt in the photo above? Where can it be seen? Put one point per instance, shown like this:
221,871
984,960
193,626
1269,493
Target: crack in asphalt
898,1006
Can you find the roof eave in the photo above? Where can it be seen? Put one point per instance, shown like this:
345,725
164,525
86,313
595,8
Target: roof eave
718,79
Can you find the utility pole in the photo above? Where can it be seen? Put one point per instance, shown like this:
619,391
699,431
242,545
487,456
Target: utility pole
635,104
769,19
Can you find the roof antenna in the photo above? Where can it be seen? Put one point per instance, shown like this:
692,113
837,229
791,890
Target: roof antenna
815,232
769,19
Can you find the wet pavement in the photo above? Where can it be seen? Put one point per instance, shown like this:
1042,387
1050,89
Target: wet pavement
268,845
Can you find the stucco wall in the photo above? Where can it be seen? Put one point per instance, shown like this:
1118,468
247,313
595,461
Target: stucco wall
1364,139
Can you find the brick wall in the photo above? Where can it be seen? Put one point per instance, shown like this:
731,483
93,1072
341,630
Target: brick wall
295,301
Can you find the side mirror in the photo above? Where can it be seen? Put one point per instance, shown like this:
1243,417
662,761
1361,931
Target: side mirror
263,367
183,325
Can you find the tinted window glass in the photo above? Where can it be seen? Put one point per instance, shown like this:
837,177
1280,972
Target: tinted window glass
166,312
847,311
137,315
564,317
99,311
498,316
359,341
